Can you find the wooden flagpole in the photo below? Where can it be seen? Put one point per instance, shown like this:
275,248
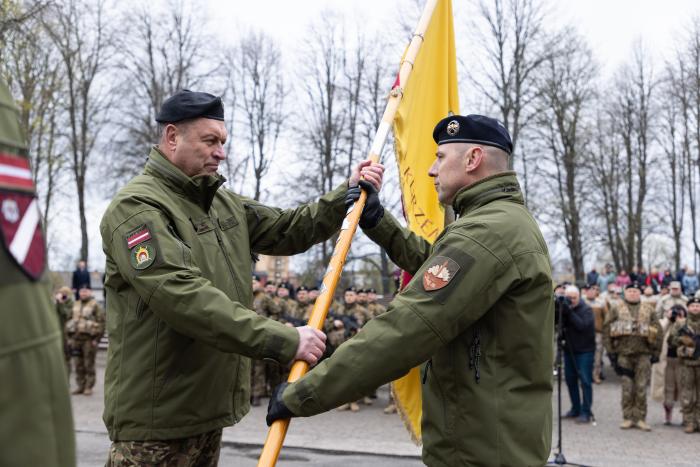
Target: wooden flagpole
278,430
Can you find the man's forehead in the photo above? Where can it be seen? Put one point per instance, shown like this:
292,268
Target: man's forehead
209,125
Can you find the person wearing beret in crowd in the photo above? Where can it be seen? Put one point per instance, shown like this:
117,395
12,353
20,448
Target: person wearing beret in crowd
477,315
633,337
179,252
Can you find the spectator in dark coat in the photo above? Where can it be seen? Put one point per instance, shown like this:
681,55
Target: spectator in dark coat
579,349
81,277
592,277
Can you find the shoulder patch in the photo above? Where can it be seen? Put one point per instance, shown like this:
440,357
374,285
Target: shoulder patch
142,246
142,256
440,272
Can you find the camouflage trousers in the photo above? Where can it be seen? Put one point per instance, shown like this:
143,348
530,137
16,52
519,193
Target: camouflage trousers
690,395
84,352
634,390
195,451
672,381
598,357
264,375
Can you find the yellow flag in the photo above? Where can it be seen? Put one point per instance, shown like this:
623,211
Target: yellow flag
431,94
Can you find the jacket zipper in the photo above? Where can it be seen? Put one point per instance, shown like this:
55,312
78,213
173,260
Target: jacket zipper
228,261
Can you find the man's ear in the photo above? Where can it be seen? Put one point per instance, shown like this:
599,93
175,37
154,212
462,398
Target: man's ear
475,157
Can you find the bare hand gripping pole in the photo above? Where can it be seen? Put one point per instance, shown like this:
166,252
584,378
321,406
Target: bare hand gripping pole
278,430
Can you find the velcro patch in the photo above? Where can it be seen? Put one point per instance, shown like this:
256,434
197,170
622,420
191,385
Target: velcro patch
140,236
440,272
143,256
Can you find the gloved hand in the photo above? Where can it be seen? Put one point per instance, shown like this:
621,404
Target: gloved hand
654,359
613,362
276,410
373,211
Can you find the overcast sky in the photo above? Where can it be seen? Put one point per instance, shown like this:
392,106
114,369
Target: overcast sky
610,25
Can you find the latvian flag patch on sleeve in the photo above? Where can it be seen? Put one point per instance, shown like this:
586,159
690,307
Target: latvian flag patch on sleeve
140,236
15,173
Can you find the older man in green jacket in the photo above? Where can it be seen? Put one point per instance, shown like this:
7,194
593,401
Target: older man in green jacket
478,313
179,253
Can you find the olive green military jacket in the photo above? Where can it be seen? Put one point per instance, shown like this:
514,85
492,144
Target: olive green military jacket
479,310
179,258
36,422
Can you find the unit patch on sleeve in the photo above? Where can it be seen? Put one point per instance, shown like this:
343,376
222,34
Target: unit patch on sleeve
440,272
141,246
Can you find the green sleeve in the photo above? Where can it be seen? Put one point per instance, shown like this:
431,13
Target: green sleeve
417,323
406,249
275,231
175,291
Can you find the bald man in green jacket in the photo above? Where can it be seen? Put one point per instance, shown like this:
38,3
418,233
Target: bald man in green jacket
478,315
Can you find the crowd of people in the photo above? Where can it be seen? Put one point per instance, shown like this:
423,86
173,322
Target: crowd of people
649,327
281,301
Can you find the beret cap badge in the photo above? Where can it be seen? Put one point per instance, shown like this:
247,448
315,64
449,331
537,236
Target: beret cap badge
453,128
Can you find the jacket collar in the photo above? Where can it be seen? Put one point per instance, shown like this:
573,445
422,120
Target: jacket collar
199,189
500,186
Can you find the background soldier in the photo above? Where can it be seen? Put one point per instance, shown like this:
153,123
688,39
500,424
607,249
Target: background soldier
632,336
85,329
674,297
289,311
64,310
37,423
597,304
304,305
264,374
375,308
686,338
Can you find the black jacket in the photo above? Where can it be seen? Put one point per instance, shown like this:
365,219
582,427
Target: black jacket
579,328
80,278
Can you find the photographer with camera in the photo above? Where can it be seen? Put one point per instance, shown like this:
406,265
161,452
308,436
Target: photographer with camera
578,341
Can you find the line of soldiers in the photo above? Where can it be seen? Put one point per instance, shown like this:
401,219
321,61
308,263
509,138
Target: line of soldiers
83,324
648,337
274,300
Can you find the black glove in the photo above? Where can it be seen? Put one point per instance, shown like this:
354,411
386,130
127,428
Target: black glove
654,359
276,410
373,211
613,363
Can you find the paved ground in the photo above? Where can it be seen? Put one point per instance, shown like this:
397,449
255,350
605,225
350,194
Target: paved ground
370,438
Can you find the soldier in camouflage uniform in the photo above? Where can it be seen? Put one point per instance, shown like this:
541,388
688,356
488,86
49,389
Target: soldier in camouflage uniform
357,315
632,336
674,297
85,329
64,310
599,308
289,311
304,305
686,338
264,374
649,296
373,306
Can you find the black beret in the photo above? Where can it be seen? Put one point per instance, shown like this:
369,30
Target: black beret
371,290
352,288
185,105
286,285
693,300
313,288
634,285
476,129
302,287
